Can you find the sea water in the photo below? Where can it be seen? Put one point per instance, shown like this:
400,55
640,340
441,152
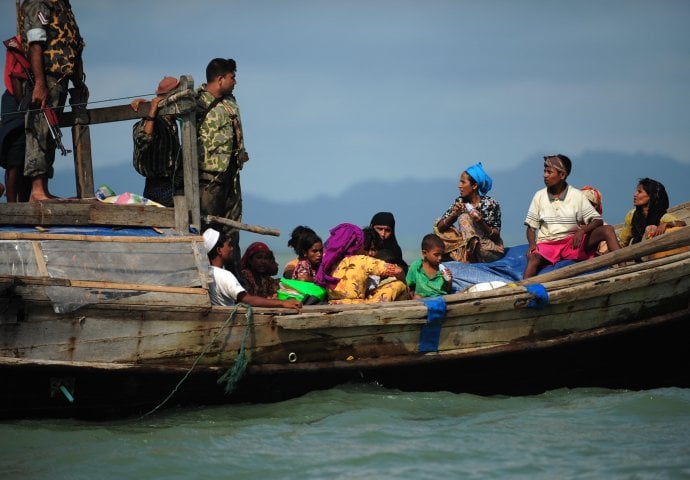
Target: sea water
368,432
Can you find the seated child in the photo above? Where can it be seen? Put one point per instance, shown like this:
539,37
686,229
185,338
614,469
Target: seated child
258,265
309,249
426,277
568,227
375,281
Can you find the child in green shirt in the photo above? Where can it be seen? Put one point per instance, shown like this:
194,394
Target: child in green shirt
426,276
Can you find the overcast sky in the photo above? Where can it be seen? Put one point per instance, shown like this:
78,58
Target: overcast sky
335,92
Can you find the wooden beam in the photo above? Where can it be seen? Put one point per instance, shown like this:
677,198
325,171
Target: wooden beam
86,213
83,163
242,226
66,282
181,103
98,238
667,241
190,159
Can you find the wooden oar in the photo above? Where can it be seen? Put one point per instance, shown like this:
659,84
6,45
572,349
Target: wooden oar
667,241
242,226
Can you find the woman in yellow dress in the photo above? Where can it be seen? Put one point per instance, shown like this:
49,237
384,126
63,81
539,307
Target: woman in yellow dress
345,268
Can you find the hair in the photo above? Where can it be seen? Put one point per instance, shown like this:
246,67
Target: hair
222,238
658,205
220,66
431,240
302,239
386,255
372,240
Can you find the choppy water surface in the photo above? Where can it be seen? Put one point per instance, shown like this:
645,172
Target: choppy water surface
366,432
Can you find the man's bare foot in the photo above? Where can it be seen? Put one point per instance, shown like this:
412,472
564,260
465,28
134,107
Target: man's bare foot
43,198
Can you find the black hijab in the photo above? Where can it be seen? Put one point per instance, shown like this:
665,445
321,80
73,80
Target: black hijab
658,205
391,243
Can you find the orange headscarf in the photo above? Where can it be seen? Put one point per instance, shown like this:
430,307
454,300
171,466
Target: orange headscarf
594,197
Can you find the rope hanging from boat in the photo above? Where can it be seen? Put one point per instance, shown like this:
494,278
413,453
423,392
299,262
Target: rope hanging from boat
242,355
235,373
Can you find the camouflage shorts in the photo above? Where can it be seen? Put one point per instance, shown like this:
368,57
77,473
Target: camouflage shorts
40,146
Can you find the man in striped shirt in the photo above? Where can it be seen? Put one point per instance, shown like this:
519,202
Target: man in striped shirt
561,223
157,152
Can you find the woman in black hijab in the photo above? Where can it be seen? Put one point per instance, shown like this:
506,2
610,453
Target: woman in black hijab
384,224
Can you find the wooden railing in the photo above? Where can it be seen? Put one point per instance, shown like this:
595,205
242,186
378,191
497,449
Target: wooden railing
85,209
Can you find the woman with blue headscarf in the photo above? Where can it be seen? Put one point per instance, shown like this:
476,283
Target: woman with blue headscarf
477,237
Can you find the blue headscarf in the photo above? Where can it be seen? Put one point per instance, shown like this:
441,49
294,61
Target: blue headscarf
483,180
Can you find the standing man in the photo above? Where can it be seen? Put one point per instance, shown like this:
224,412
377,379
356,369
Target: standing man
53,45
221,147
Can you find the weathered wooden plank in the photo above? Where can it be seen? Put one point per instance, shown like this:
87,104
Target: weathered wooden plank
190,160
389,316
99,238
68,282
83,163
86,213
667,241
179,103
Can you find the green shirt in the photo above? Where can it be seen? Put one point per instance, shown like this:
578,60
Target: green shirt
419,281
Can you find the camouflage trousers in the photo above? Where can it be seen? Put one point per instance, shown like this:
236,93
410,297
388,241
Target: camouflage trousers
220,195
40,146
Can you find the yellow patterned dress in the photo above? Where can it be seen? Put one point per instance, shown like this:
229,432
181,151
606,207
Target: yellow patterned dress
353,272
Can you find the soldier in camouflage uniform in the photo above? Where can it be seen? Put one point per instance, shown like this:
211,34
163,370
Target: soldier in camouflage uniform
53,45
221,147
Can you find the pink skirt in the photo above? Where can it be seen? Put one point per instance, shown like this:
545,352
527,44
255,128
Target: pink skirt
562,249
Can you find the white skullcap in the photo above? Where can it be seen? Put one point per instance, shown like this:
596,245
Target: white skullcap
211,237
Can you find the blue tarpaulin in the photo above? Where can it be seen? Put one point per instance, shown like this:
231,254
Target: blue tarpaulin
507,269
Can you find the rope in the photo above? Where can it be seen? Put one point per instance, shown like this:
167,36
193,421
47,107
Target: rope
234,374
205,350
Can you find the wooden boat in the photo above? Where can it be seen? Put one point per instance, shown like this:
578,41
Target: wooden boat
117,320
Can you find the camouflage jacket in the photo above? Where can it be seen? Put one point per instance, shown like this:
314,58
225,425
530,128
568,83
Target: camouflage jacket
52,22
220,141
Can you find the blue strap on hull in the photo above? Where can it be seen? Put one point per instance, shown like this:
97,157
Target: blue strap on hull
431,332
541,296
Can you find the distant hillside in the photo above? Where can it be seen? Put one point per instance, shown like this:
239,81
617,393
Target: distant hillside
417,203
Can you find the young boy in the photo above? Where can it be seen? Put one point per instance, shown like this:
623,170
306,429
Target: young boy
425,278
569,227
225,288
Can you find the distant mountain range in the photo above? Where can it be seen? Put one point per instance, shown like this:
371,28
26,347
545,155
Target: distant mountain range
417,203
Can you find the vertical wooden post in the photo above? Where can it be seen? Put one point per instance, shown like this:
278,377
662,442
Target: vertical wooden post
181,213
190,161
83,166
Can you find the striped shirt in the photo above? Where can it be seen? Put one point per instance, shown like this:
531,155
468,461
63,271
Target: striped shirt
555,218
